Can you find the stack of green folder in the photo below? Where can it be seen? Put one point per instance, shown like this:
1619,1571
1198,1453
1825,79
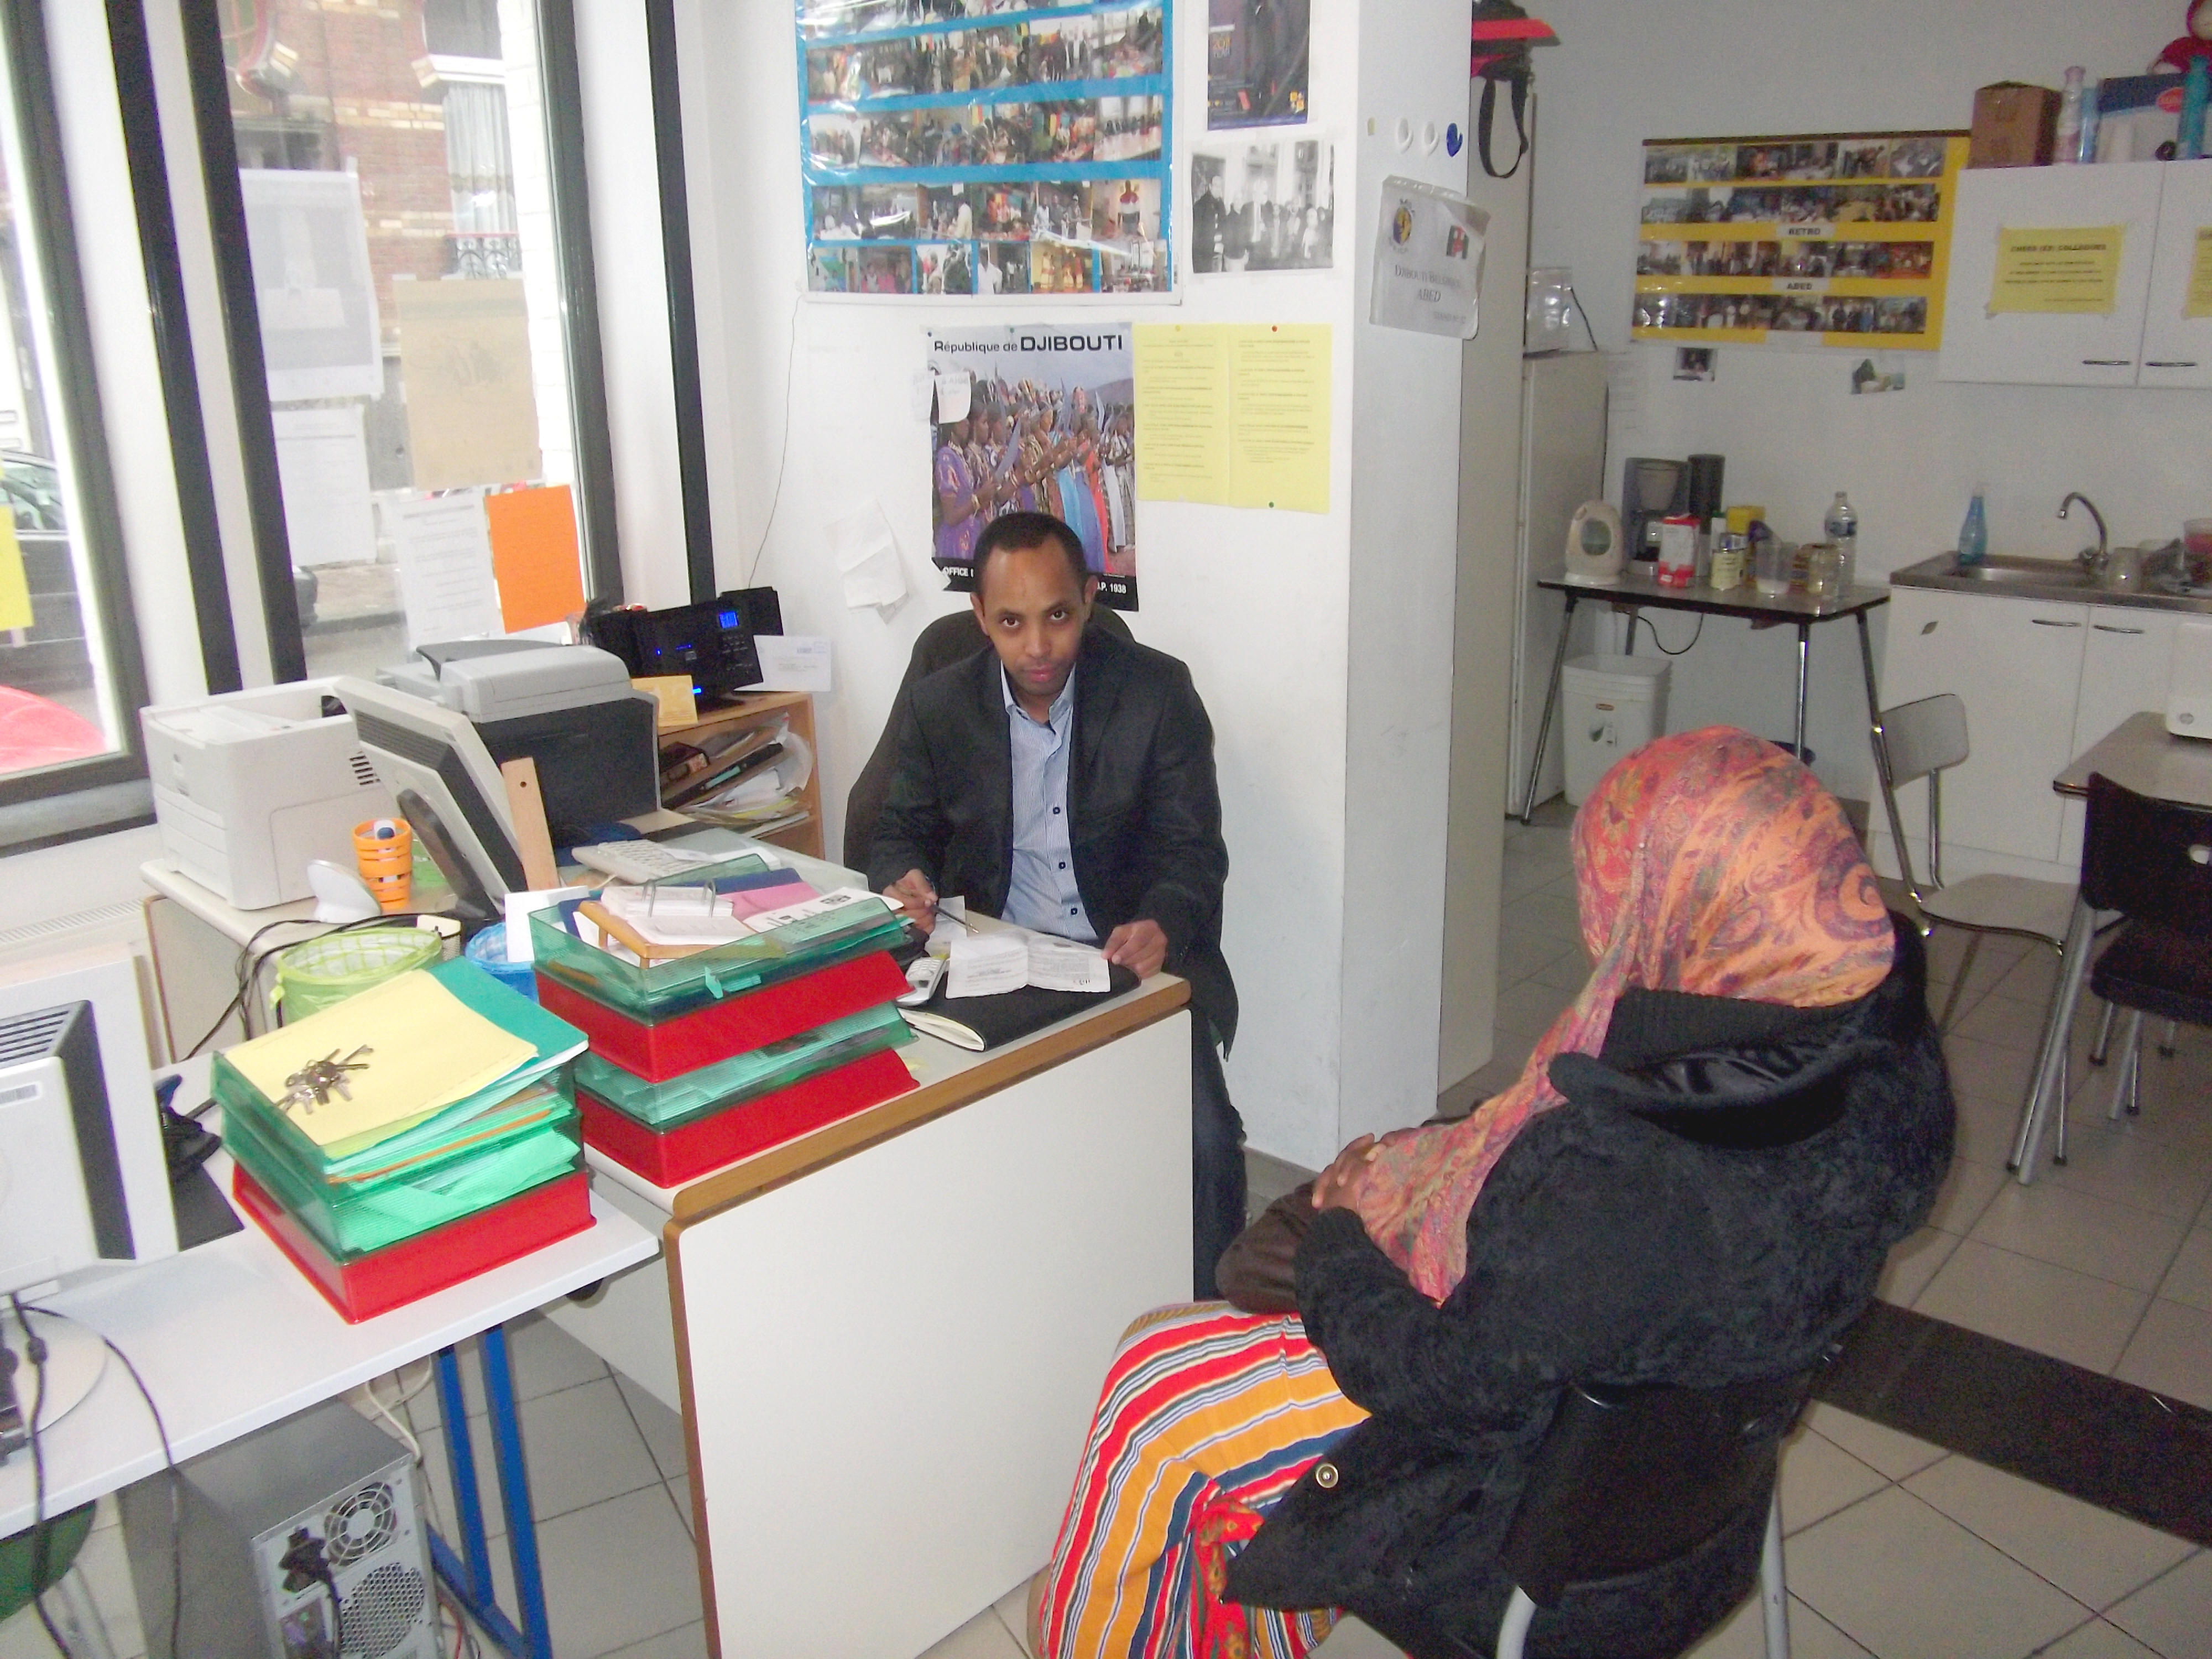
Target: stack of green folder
363,1195
694,1095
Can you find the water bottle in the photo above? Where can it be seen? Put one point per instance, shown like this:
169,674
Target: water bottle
1841,527
2066,147
1974,534
2195,90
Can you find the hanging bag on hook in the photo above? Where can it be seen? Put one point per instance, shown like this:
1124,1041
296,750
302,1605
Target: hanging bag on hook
1503,38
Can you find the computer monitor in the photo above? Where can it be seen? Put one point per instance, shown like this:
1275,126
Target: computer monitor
433,753
82,1166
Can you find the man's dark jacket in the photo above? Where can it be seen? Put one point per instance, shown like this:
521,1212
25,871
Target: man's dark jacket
1711,1204
1143,810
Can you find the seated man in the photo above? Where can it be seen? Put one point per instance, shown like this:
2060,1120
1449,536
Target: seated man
1063,781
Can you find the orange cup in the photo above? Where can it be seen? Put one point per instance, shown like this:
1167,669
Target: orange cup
384,851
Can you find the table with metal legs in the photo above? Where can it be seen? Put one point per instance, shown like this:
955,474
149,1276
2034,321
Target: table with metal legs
1636,591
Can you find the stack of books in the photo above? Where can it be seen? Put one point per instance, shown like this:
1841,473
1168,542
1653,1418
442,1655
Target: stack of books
409,1137
729,1009
746,779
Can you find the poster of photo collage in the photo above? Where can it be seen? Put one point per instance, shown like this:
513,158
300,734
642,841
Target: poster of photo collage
986,148
1870,211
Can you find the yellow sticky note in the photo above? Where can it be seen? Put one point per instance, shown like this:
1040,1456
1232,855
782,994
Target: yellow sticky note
1182,412
676,701
2198,303
425,1050
1280,409
2072,270
15,585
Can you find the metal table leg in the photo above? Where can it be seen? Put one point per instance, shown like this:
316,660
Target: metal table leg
2048,1083
471,1579
1550,706
1804,675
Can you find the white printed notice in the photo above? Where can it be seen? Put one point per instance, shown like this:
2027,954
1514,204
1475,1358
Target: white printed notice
1062,965
1428,260
988,964
446,581
793,662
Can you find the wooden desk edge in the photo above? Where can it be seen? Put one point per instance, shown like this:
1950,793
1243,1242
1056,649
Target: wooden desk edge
839,1140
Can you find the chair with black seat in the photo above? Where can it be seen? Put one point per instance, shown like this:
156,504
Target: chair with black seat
1628,1481
2150,860
949,639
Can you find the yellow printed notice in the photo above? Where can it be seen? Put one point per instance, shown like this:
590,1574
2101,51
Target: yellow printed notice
1278,433
2198,302
15,585
1182,413
426,1050
2071,269
1237,415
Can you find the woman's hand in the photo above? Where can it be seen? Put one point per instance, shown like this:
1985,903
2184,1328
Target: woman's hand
1338,1186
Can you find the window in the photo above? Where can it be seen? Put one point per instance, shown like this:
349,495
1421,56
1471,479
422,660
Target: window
414,261
70,679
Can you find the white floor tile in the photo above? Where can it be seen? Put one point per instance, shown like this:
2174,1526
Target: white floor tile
2119,1161
1986,1126
2172,1353
1914,1260
1352,1639
1906,1582
1966,1193
615,1574
2190,1279
1818,1476
1999,1019
1987,1071
581,1450
2172,1616
662,1428
2092,1554
1890,1453
1013,1611
689,1643
2073,1229
436,1474
1743,1636
2051,1310
2097,1640
981,1637
545,1357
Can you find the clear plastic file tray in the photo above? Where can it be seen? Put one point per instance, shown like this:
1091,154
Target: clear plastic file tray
714,1088
667,990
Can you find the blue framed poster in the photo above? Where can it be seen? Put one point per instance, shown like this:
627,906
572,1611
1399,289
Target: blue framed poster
986,148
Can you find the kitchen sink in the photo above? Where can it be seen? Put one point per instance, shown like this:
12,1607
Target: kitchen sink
1999,571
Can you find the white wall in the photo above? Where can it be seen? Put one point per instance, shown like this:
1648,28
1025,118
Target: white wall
1792,433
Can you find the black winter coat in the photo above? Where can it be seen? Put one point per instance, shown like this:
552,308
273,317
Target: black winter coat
1713,1203
1144,809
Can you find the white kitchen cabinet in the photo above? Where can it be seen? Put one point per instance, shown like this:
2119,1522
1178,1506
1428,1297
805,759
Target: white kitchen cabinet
2017,665
2177,349
2127,655
2036,349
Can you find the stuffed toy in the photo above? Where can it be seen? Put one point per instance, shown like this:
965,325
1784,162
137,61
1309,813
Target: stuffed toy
2196,43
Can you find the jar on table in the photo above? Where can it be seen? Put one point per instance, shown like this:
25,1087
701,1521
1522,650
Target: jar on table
1824,570
1726,571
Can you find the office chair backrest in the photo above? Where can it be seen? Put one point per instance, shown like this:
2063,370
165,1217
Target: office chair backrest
2149,860
1924,736
949,639
1629,1480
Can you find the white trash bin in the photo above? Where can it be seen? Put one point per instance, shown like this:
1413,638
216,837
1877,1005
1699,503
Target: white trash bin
1611,706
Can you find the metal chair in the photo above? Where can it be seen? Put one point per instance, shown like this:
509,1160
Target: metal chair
2150,860
1924,740
1629,1480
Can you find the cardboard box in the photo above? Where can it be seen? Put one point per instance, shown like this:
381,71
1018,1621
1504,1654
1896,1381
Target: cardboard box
2014,125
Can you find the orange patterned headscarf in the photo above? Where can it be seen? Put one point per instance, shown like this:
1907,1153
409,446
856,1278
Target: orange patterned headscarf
1709,862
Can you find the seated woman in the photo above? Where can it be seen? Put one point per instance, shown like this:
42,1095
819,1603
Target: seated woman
1693,1183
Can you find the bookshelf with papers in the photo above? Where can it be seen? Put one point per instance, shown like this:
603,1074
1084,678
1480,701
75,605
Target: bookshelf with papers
732,744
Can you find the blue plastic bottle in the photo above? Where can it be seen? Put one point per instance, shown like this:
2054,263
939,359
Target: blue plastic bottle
2195,87
1974,534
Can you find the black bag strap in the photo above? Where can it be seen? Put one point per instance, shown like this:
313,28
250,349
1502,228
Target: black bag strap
1486,113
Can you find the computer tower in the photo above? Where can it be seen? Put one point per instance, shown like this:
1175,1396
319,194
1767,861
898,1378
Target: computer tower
261,1519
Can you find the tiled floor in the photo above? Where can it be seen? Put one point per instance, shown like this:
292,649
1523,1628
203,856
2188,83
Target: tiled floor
1895,1548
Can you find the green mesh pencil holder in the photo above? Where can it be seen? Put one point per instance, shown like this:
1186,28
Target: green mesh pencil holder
311,977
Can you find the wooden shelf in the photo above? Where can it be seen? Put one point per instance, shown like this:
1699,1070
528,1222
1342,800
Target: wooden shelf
763,708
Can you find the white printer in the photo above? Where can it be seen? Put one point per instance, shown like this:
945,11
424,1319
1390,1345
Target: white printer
249,786
2189,685
570,708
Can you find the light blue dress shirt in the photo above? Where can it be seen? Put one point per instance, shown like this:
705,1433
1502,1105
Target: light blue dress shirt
1042,894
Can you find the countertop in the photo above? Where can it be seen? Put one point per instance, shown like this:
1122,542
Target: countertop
2067,586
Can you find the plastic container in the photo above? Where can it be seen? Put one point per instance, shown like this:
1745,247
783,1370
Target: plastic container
1841,527
313,977
488,950
384,853
1612,706
362,1286
2066,143
744,1077
671,1155
1771,562
1974,533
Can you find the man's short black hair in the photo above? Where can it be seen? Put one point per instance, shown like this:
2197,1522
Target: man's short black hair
1018,530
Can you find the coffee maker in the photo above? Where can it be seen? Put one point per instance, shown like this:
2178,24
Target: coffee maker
1650,490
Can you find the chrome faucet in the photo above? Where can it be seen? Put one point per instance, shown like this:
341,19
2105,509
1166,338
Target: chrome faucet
2093,559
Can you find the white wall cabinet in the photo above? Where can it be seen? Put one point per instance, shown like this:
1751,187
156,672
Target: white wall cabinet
2146,340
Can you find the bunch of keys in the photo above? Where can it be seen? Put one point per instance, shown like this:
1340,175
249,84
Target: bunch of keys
311,1086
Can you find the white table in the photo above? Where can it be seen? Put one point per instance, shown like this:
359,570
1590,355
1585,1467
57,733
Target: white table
2139,754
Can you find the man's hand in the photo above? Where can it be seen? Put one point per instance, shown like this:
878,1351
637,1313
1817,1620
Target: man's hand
1140,946
1338,1186
915,898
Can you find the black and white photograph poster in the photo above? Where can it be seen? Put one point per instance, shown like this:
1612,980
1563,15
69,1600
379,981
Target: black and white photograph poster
1263,203
1255,63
